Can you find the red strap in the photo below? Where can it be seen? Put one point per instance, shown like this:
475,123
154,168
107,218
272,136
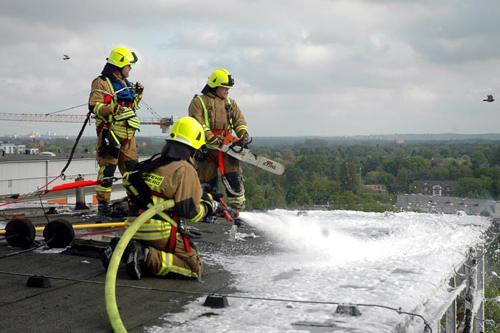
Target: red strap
173,236
99,128
186,243
221,162
171,240
219,132
108,98
101,125
77,184
158,194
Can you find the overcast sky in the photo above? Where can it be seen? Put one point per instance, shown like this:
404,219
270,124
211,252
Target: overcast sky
311,67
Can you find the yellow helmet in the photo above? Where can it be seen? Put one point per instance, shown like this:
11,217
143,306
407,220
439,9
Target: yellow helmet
121,57
220,78
189,131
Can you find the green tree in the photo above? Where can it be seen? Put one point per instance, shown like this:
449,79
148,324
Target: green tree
469,188
478,157
320,189
299,195
348,177
344,201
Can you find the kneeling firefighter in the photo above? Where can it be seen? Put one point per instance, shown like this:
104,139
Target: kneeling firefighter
161,247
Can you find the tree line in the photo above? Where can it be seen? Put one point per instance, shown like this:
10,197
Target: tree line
329,173
322,172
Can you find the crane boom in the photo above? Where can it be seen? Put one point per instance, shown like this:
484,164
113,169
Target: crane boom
76,118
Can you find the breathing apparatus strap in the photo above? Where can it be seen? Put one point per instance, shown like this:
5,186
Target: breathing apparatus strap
142,202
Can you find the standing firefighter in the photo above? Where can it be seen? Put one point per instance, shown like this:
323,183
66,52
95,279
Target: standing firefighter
220,115
161,247
113,102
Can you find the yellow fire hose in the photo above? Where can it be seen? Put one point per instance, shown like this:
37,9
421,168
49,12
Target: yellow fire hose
110,292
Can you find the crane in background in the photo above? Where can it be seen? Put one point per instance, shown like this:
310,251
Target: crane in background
164,123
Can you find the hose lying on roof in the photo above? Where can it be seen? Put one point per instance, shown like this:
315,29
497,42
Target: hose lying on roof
110,295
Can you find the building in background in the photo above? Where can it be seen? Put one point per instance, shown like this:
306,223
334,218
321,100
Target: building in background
7,148
434,187
379,188
422,203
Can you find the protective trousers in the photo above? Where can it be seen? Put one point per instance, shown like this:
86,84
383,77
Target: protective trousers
208,175
126,160
181,262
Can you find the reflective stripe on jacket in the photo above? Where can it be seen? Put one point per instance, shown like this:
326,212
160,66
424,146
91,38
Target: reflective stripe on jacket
176,180
211,113
104,97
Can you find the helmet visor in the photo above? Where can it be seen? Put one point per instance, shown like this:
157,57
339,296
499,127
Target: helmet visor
129,56
230,82
133,61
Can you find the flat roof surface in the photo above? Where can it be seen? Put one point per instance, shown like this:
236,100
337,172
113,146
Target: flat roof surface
76,303
287,280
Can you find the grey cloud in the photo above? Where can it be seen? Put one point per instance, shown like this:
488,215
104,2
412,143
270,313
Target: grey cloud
356,66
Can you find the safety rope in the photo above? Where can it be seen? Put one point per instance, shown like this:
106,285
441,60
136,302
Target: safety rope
150,109
61,175
73,107
76,143
230,189
26,195
42,191
398,310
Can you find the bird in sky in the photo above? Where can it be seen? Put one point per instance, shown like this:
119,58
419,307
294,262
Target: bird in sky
65,57
489,98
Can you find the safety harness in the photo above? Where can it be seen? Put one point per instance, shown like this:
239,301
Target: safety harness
122,95
140,194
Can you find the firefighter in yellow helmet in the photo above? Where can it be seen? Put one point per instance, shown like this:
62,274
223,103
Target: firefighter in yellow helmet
220,115
158,246
114,101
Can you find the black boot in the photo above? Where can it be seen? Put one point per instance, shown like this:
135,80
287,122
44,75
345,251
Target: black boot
108,252
103,209
137,257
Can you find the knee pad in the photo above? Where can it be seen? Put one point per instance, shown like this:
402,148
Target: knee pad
234,179
109,171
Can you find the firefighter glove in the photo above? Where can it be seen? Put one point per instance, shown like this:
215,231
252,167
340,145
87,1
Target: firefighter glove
216,196
243,135
138,88
214,140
